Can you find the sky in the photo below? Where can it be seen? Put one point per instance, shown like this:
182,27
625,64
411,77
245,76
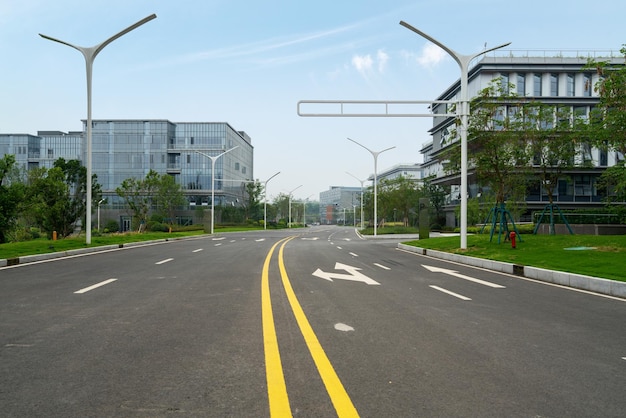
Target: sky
249,63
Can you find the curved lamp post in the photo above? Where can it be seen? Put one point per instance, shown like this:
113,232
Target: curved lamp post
213,160
375,154
290,203
90,56
265,200
463,112
360,181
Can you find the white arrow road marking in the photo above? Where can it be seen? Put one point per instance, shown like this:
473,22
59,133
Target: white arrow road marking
456,295
95,286
381,266
353,274
167,260
462,276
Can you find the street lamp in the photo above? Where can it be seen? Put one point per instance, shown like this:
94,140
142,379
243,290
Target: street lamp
290,203
99,202
360,181
304,210
463,112
375,154
265,200
90,56
213,160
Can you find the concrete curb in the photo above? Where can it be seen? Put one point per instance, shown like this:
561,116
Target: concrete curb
578,281
78,251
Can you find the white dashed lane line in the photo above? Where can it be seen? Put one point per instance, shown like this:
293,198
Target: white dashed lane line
95,286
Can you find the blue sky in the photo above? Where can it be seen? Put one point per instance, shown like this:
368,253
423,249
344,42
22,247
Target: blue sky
248,63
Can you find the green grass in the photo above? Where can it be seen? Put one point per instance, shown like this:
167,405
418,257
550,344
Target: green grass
44,246
607,260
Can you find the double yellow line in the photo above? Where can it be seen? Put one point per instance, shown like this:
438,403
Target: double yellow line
276,387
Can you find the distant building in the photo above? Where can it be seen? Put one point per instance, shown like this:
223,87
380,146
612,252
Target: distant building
338,205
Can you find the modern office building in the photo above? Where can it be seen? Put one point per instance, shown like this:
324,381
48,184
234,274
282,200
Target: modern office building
550,77
123,149
339,203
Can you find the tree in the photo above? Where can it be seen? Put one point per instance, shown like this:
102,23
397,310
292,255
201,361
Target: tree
401,195
437,198
56,196
556,148
252,200
138,194
11,195
498,150
607,124
169,196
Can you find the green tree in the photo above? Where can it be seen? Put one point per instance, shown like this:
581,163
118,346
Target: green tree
437,198
11,195
168,197
56,196
252,200
498,149
400,197
138,194
607,124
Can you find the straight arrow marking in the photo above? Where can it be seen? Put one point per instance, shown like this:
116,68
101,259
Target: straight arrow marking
462,276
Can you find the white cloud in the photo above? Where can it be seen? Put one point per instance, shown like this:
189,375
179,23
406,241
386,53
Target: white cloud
382,58
431,55
363,64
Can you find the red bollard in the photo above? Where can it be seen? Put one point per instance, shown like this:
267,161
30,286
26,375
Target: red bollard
512,236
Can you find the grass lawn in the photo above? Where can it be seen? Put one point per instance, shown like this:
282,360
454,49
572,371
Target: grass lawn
600,256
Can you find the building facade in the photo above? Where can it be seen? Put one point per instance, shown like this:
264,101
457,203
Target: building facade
123,149
557,80
338,205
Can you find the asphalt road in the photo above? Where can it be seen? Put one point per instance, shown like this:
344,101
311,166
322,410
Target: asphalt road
310,323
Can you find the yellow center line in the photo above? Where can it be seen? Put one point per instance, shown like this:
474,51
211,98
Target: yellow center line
276,387
338,395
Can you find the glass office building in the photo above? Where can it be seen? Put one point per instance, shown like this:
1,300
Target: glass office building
123,149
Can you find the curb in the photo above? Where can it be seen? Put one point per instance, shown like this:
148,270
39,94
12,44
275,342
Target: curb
577,281
5,262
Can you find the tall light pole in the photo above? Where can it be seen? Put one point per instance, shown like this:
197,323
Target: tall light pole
99,202
265,200
463,112
213,160
375,154
360,181
290,204
304,210
90,55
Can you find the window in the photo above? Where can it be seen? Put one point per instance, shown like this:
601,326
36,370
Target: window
504,79
537,85
587,86
237,166
521,85
571,85
554,84
188,158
